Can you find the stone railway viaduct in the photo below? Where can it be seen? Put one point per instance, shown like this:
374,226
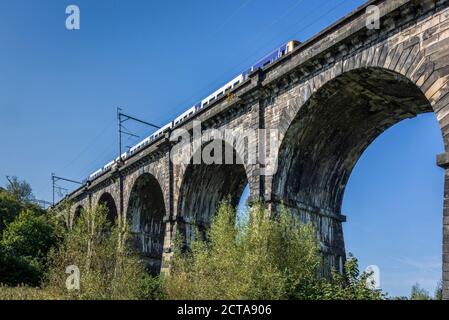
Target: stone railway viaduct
329,99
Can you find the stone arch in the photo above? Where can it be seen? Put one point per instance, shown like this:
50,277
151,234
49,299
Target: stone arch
146,213
204,186
77,213
327,136
108,201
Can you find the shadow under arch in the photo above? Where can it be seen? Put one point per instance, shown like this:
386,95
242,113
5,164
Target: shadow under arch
204,186
78,211
108,201
146,212
327,137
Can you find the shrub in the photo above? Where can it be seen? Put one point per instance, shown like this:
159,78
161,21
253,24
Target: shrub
266,258
109,267
17,270
419,293
24,247
9,209
30,234
351,285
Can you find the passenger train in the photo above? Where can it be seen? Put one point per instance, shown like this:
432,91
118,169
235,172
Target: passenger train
263,62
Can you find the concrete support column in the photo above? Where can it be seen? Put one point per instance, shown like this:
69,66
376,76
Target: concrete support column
443,162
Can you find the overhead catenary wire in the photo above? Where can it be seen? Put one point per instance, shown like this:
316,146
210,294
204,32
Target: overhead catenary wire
279,18
241,65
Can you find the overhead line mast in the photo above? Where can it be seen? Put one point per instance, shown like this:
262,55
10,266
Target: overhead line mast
55,179
121,118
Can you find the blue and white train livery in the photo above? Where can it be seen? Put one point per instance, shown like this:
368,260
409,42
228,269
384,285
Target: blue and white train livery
216,95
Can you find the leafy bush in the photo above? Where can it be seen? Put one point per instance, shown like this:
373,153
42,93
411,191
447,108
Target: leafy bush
351,285
261,258
9,209
266,258
30,234
419,293
24,247
109,267
16,270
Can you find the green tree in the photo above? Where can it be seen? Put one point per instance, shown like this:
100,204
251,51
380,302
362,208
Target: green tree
9,209
11,204
20,189
31,234
25,244
25,236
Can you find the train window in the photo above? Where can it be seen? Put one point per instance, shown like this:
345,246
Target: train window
220,94
267,63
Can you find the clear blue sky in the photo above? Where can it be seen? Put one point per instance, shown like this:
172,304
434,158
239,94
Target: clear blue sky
59,90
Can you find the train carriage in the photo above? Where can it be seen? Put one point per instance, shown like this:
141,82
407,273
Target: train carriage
260,64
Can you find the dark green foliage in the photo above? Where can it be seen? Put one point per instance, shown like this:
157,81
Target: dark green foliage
31,234
16,270
25,244
150,288
9,209
20,189
11,206
26,235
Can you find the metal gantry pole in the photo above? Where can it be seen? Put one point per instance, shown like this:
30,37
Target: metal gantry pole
119,122
53,184
55,179
121,118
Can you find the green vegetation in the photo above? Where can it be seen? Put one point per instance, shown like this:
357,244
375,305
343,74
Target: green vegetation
439,291
20,190
419,293
11,204
26,236
265,258
261,258
37,245
109,267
